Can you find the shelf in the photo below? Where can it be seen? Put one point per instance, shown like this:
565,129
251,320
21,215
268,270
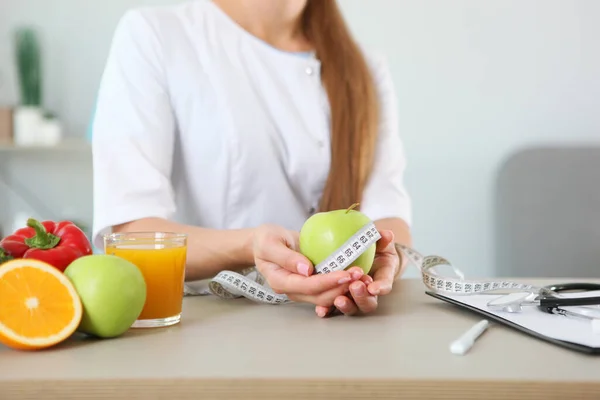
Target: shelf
65,145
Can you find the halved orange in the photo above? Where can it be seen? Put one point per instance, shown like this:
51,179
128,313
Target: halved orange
39,306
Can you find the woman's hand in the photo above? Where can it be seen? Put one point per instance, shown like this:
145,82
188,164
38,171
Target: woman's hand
363,293
288,272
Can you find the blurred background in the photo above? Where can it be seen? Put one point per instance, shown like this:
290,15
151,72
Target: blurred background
499,104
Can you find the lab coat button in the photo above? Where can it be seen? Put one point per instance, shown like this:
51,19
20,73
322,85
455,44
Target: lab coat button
309,71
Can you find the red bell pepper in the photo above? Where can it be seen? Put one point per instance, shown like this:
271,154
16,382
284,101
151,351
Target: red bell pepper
56,243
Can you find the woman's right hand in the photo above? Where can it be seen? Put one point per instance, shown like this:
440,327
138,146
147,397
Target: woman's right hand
277,258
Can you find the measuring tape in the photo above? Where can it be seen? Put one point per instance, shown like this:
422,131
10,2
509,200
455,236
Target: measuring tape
455,286
250,284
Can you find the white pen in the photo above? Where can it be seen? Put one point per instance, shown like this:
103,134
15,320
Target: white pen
464,343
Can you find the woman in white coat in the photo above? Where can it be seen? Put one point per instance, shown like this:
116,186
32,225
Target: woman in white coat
235,120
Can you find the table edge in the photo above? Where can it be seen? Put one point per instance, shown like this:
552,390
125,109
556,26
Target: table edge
292,389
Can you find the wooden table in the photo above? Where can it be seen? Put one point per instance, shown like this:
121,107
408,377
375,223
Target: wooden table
240,350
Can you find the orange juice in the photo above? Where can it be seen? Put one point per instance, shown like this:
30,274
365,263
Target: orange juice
162,262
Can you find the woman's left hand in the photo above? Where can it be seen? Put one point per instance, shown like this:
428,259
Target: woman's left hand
363,294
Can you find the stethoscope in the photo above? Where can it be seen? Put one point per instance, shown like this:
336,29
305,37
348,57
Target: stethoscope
548,300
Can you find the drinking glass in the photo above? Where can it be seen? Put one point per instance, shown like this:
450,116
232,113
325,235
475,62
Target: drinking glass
161,257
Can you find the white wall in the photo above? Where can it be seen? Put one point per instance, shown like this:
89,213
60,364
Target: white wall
477,80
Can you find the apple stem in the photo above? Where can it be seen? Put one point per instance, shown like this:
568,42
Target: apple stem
353,206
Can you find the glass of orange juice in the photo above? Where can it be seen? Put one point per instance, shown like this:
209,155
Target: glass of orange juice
161,257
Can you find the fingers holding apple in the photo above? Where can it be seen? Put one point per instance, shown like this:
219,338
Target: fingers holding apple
356,300
291,273
362,295
346,306
365,301
325,299
323,233
285,282
279,246
385,265
287,261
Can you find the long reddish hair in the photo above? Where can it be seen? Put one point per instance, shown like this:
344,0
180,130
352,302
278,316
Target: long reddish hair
353,102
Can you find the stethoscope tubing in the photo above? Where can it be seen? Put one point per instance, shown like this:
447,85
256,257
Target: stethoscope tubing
551,304
560,302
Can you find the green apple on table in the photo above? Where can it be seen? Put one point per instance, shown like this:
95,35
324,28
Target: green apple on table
112,291
323,233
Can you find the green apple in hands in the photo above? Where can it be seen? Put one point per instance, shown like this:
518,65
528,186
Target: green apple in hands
323,233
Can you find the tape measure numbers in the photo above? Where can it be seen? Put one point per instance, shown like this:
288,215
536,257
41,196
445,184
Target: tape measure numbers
457,286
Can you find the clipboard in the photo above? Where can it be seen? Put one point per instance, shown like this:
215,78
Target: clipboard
579,347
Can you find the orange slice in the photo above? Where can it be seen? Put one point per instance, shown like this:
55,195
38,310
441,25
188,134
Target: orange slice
39,306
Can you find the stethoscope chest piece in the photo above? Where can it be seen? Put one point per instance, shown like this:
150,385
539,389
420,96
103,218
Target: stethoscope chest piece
512,302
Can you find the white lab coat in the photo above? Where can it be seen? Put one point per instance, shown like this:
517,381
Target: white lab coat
200,122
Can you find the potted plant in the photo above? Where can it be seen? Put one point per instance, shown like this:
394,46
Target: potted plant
29,113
